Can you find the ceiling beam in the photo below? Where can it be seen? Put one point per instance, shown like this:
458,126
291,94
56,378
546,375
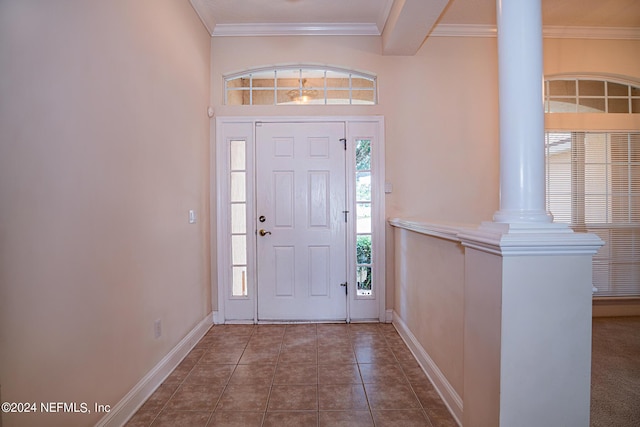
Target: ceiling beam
409,23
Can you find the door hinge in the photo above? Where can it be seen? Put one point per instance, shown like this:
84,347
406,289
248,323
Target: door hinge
344,141
345,215
346,288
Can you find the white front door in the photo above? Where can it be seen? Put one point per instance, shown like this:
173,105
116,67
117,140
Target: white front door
300,212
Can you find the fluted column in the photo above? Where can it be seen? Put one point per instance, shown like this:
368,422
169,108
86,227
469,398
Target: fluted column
522,185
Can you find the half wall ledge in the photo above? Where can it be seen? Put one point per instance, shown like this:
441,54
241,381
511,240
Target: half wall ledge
508,239
443,230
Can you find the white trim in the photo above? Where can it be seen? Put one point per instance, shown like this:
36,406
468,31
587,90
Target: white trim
245,125
530,239
213,227
307,66
446,391
388,316
441,230
360,307
551,32
122,411
464,30
295,29
510,239
219,258
378,226
242,129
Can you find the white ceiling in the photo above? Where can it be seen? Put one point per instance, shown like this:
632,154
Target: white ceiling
310,12
403,24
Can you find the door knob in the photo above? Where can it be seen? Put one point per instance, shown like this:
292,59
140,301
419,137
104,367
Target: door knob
264,232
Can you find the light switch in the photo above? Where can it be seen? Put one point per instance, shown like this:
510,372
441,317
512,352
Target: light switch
388,187
192,216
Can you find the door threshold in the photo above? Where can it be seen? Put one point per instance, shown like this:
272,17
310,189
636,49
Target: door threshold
297,322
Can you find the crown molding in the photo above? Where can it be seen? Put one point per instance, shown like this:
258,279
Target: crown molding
295,29
551,32
464,30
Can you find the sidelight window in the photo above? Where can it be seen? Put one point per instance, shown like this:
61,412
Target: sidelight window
238,193
364,235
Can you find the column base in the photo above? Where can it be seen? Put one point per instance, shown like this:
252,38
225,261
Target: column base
527,339
506,216
530,239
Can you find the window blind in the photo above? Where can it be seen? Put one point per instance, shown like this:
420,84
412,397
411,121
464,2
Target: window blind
593,184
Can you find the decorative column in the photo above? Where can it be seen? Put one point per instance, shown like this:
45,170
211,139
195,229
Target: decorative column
528,281
521,94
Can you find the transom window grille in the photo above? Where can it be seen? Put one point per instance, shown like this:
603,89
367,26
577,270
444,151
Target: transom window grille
363,218
300,85
578,95
593,184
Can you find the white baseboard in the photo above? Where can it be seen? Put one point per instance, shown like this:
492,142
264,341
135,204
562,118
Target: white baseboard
122,411
388,316
437,378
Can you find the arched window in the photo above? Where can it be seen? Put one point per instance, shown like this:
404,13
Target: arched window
593,176
591,95
300,84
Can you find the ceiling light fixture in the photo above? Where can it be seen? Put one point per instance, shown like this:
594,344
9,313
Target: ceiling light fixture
302,95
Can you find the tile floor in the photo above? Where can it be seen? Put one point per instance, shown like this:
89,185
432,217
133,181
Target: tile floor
297,375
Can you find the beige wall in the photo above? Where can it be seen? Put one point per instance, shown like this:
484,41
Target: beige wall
617,57
430,298
439,108
104,145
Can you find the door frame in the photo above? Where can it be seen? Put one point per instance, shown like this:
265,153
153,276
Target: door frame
228,309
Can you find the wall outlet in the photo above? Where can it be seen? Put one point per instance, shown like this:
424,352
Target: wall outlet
157,328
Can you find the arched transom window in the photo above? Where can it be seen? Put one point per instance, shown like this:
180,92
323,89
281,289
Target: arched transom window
591,95
593,175
300,85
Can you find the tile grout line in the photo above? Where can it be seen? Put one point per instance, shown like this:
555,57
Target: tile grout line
275,369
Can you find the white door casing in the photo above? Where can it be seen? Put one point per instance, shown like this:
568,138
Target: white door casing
230,307
301,200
